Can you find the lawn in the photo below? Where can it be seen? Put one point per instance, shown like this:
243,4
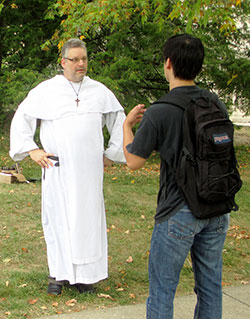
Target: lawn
130,199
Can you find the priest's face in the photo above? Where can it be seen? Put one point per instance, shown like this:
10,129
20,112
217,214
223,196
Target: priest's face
75,64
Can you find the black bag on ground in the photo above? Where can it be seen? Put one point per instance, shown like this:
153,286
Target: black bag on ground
206,173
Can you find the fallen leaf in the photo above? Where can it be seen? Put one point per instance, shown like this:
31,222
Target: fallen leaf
44,308
25,250
71,302
120,289
7,260
23,285
143,217
114,178
244,282
7,313
127,231
226,284
107,288
132,296
130,259
32,301
55,304
7,283
11,191
104,296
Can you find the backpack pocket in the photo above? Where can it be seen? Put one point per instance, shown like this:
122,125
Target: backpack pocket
218,178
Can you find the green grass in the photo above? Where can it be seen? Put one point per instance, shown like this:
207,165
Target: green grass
130,199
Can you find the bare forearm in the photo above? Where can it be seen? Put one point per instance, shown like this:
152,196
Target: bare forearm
133,161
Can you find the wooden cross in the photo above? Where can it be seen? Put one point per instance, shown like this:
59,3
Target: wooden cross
77,101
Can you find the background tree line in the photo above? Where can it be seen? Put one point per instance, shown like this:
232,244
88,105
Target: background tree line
124,40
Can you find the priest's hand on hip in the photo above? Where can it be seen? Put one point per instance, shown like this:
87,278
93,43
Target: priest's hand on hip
41,157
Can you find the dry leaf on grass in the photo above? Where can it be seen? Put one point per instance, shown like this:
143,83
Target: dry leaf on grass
32,301
71,302
55,304
105,296
44,308
130,259
7,260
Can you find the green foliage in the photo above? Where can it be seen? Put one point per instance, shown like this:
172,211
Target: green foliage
22,31
125,39
23,63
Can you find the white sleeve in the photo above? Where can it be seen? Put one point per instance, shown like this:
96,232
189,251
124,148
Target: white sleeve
22,132
114,122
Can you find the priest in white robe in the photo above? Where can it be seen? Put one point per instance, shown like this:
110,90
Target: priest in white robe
73,110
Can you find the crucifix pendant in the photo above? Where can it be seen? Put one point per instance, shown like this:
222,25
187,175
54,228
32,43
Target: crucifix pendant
77,101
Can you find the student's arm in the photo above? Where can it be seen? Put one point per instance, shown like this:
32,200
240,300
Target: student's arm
135,115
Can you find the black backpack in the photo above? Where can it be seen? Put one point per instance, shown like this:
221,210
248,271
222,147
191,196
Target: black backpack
206,173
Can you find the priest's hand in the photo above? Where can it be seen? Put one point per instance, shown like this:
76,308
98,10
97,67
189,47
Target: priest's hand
41,157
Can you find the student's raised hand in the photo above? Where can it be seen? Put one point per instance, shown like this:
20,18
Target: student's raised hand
135,115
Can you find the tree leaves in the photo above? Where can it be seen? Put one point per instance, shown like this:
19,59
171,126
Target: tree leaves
119,35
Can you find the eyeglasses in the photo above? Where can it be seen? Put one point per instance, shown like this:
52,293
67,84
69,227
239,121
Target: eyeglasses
77,60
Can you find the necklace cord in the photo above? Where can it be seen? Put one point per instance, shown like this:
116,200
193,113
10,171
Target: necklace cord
77,93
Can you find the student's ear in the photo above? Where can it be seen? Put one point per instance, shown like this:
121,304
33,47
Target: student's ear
167,66
168,63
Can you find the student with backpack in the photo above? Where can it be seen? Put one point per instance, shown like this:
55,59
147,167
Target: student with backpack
190,129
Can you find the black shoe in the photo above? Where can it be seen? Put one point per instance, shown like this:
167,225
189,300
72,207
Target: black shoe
83,288
54,289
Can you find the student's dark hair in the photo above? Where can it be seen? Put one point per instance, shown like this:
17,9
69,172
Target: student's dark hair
186,54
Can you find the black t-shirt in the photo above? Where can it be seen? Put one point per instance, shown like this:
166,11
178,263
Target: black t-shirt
161,130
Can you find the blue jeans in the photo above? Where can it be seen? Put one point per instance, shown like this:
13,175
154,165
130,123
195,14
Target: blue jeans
171,242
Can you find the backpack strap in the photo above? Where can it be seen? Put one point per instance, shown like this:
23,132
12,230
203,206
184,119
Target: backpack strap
179,100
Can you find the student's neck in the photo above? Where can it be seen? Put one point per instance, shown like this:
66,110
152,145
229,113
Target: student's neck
177,82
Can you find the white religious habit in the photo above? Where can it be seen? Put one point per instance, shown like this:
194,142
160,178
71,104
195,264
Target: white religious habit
73,213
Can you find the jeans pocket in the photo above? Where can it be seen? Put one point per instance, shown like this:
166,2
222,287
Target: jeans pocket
182,225
223,223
